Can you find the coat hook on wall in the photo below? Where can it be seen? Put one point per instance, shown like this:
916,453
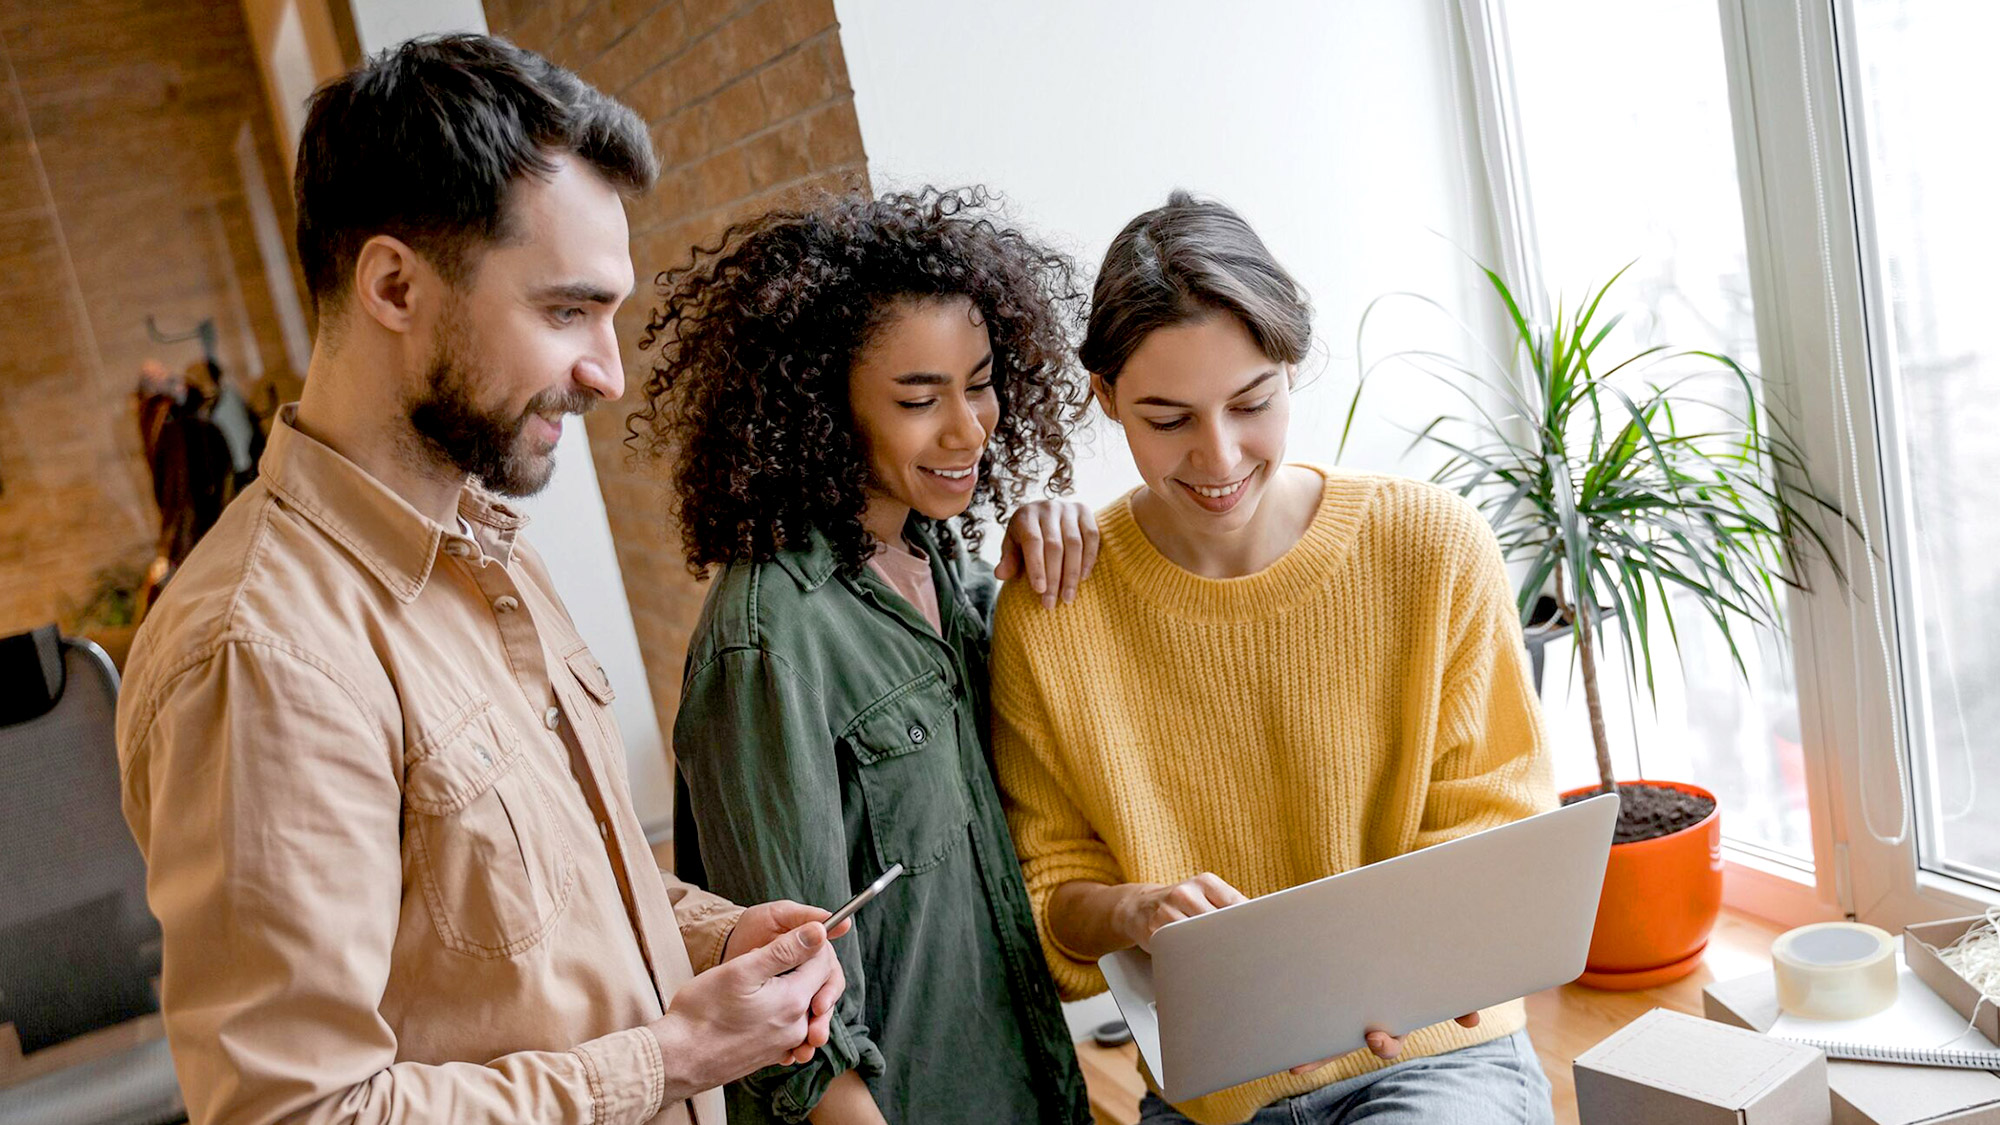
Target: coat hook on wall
205,332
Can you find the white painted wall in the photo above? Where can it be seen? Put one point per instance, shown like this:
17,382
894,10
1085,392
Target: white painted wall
1333,125
569,529
574,538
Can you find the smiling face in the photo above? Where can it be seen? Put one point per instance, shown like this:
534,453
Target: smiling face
1204,412
527,338
921,392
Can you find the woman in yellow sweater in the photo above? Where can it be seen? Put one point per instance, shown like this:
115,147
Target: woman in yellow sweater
1277,672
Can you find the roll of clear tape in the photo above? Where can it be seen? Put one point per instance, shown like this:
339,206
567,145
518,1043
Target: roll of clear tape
1834,970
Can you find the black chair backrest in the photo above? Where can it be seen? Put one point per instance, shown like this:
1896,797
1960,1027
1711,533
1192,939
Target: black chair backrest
31,674
75,933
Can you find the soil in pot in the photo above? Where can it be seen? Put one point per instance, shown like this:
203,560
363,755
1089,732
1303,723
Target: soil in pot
1646,812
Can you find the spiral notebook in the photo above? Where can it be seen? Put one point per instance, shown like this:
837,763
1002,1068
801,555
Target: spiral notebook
1920,1028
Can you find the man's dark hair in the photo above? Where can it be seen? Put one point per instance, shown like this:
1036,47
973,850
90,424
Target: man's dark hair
424,141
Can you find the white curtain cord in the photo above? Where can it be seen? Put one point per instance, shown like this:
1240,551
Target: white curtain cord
1969,784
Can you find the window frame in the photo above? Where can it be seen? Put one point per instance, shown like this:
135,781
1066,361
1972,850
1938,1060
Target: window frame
1806,227
1814,218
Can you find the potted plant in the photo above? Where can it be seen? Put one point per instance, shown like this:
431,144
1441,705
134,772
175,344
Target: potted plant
1629,491
110,615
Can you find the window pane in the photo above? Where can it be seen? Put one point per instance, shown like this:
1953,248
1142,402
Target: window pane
1624,116
1924,75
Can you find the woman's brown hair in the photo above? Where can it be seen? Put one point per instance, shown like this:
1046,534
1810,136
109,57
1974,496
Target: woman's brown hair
1185,261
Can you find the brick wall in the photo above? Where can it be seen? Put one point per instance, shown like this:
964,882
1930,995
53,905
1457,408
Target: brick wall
120,195
748,104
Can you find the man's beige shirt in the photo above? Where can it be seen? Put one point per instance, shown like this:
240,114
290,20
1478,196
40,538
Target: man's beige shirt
387,829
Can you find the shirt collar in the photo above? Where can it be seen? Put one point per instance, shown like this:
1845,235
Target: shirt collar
396,543
814,564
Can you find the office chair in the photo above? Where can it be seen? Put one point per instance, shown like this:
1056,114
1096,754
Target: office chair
78,948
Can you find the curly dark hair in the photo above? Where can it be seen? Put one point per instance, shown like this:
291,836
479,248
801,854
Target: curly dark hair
748,397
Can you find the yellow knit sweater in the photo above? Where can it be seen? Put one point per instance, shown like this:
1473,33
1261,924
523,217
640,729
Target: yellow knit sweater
1364,696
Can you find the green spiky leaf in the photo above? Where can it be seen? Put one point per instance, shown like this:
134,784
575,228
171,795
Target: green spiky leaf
1618,492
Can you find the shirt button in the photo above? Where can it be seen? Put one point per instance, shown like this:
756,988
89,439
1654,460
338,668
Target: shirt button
552,718
505,603
458,548
604,830
917,734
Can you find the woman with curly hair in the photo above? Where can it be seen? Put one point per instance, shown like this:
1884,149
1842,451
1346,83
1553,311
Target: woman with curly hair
834,387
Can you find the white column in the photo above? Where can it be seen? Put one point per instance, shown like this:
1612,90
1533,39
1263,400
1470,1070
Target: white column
380,24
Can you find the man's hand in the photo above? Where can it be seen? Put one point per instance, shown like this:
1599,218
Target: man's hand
1148,906
1385,1045
760,925
1052,542
764,923
766,1006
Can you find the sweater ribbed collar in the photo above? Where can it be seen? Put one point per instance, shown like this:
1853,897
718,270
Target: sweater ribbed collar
1300,573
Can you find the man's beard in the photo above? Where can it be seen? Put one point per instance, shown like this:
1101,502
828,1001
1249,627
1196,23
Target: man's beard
486,445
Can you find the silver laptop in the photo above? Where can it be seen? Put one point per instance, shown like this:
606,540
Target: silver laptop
1306,973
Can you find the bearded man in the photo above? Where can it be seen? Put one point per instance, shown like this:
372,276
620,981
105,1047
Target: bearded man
370,762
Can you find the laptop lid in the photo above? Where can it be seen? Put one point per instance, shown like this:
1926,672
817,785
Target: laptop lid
1305,973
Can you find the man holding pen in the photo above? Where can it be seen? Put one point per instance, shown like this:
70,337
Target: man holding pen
370,762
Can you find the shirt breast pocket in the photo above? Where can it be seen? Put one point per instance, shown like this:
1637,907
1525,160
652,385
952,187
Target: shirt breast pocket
596,685
495,866
906,754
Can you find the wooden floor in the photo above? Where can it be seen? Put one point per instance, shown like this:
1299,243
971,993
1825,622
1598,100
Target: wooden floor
1564,1022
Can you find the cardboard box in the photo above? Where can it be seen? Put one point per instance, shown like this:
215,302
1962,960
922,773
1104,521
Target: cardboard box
1867,1093
1750,1003
1956,990
1665,1068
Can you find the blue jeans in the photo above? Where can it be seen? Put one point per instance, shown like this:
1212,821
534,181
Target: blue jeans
1495,1083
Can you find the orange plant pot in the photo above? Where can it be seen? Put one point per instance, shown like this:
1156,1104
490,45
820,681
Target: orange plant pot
1661,898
